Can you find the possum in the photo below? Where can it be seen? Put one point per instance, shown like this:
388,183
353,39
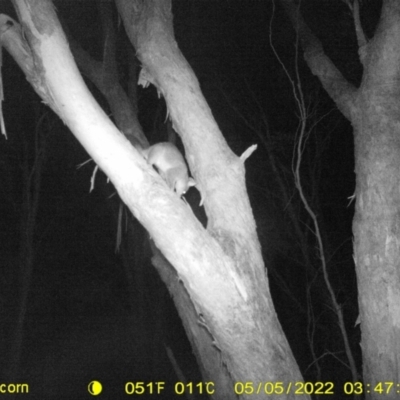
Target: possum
170,164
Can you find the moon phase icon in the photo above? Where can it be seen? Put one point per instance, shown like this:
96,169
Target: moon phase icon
95,388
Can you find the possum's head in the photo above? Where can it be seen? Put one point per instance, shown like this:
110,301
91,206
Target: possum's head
178,180
170,164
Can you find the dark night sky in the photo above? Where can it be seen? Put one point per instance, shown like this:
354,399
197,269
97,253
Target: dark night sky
78,294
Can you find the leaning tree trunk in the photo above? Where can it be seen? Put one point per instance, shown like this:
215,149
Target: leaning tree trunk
221,267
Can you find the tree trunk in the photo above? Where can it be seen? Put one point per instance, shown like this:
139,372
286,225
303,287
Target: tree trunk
373,111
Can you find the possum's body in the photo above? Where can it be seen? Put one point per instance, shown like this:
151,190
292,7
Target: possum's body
171,166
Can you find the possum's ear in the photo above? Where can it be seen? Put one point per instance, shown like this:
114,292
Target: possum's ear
191,182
